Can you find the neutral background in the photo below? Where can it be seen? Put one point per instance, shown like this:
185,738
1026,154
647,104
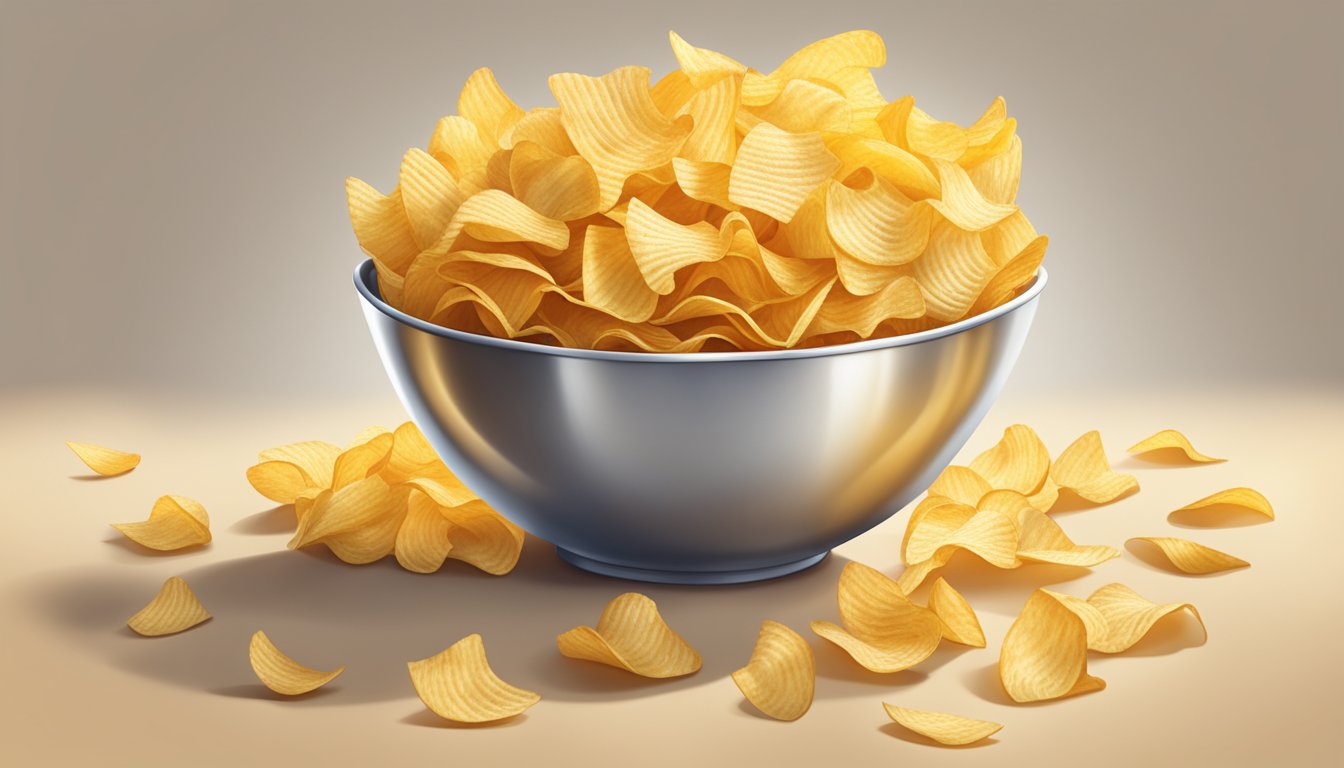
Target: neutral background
176,280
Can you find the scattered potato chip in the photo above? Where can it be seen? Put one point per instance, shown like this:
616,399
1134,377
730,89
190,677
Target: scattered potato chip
105,461
386,493
1018,462
1191,557
1083,469
1128,617
718,206
175,522
458,684
1044,654
282,674
959,621
174,609
781,675
1243,498
1170,439
632,635
883,630
943,728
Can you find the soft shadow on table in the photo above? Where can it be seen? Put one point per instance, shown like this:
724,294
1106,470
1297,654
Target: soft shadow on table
1149,554
278,519
375,618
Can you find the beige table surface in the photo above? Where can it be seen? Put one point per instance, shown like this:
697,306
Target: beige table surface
78,686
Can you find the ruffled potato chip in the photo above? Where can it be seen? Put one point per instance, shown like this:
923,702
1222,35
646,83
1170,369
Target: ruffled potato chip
883,630
107,462
283,474
943,728
780,678
1083,469
1018,462
776,170
1128,616
1233,498
1191,557
174,609
282,674
1169,440
175,522
960,624
1044,654
458,684
632,635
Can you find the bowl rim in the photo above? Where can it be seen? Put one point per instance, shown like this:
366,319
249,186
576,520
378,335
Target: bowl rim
366,284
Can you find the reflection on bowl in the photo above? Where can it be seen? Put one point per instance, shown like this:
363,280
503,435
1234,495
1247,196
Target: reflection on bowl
709,467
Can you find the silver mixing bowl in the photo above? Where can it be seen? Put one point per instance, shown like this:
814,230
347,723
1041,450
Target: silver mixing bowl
702,468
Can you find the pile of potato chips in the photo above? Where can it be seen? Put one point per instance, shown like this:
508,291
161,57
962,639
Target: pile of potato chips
719,208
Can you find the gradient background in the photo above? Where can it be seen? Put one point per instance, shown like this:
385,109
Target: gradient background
176,281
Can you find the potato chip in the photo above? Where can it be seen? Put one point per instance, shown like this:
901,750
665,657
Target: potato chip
458,684
485,104
962,484
1083,469
963,204
877,224
780,677
1128,616
105,461
1044,654
802,106
959,621
713,110
1169,440
560,187
175,522
482,538
1039,538
1240,498
632,635
661,246
283,474
883,630
943,728
174,609
953,272
1018,462
282,674
701,65
1191,557
776,170
337,512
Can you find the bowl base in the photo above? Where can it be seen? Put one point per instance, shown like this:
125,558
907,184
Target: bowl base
688,577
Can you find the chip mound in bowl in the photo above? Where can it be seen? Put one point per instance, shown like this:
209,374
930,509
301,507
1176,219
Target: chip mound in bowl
718,209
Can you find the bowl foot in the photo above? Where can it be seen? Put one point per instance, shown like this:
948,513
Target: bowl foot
688,577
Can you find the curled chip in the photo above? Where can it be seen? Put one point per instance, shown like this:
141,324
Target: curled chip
1169,440
943,728
959,621
1242,498
780,677
458,684
1018,462
1128,617
1191,557
631,635
174,609
105,461
175,522
719,208
1083,469
1044,654
282,674
386,493
883,630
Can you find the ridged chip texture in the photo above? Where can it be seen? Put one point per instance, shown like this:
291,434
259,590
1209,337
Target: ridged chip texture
174,609
175,522
1192,557
281,673
632,635
458,684
107,462
942,727
781,676
1169,440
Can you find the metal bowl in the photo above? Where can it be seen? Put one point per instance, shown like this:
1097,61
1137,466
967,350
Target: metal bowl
701,468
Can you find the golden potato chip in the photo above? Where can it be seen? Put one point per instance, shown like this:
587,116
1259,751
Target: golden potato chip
175,522
1191,557
486,105
953,272
1012,275
701,65
283,474
713,110
1083,469
661,246
1128,617
801,107
631,635
1168,440
962,484
1242,498
959,621
458,684
615,125
780,677
1039,538
374,539
483,538
891,163
943,728
707,182
105,461
963,204
560,187
496,216
430,196
174,609
877,224
336,512
282,674
359,461
883,630
776,170
1018,462
1044,654
824,60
